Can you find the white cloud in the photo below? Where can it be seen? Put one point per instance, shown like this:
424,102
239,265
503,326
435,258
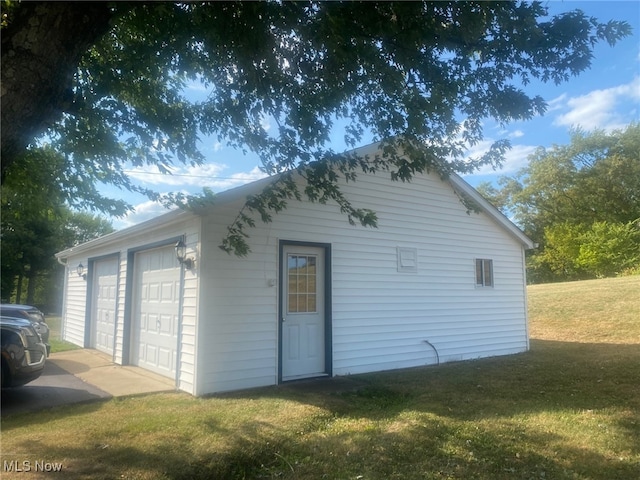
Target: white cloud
196,90
557,103
209,175
197,86
517,158
239,178
186,179
606,109
265,124
514,159
142,212
503,132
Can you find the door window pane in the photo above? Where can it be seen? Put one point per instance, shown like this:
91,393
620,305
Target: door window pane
311,303
302,283
293,303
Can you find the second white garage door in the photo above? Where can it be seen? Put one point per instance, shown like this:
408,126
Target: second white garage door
103,315
156,312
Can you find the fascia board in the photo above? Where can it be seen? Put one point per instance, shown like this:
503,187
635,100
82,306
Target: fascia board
162,220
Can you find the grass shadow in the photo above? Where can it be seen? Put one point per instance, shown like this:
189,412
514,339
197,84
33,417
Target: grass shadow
552,375
476,419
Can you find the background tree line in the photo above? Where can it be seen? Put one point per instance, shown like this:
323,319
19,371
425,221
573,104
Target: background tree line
581,203
36,223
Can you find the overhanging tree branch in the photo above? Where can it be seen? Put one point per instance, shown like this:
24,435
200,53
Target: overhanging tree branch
308,64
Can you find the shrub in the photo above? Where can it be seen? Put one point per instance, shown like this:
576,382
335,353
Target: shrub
578,251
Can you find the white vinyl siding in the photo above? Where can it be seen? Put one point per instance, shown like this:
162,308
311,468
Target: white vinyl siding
381,317
187,362
122,291
237,326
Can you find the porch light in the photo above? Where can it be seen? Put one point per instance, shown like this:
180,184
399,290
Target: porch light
80,271
181,255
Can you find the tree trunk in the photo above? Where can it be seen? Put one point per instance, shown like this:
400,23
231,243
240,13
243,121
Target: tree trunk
31,286
19,289
41,49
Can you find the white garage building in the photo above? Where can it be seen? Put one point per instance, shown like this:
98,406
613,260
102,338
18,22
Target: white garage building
315,297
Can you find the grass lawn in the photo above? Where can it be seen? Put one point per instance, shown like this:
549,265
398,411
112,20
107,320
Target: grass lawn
568,409
55,336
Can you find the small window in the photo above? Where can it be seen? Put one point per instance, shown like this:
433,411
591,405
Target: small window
484,273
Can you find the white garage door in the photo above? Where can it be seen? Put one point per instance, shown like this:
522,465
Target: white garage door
156,310
103,315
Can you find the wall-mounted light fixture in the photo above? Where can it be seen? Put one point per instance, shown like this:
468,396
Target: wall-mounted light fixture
181,255
80,271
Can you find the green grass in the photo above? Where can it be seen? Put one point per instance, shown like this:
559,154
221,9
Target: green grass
600,311
568,409
55,336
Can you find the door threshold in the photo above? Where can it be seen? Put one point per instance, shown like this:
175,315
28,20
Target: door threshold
305,377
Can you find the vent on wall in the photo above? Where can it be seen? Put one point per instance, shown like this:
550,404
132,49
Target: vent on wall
407,260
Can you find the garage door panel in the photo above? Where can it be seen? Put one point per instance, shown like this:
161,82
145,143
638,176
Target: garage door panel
167,292
165,358
156,311
149,323
104,301
166,325
154,292
150,352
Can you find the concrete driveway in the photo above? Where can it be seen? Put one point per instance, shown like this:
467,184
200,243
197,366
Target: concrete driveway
80,376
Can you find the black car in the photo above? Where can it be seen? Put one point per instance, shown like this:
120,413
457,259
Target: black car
23,352
27,312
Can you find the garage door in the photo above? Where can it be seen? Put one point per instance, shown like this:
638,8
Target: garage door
103,315
156,310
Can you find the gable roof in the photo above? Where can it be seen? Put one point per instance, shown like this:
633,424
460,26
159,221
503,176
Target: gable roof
241,192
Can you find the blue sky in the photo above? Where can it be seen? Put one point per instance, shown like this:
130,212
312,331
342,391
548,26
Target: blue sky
605,97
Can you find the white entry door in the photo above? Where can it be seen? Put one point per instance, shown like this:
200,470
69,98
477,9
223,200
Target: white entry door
156,311
103,314
303,320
